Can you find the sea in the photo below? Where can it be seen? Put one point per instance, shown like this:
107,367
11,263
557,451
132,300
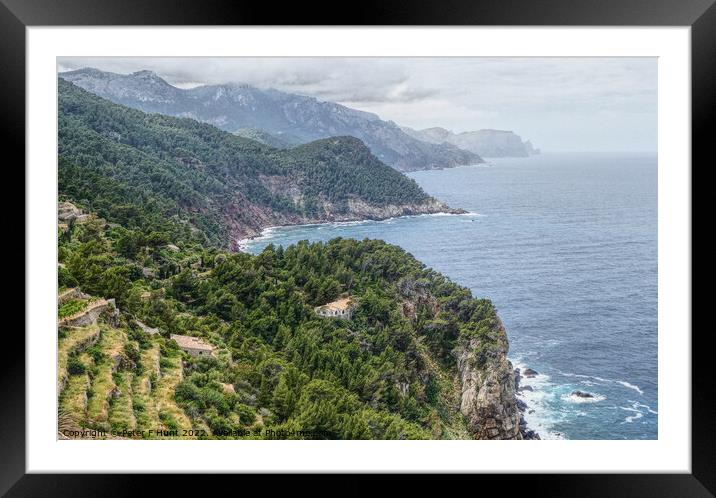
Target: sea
565,245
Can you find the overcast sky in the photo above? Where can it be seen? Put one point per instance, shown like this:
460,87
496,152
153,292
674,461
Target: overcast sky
560,104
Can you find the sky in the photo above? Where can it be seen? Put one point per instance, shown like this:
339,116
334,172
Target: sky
560,104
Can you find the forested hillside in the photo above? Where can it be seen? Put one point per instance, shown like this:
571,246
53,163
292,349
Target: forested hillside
196,181
149,204
409,364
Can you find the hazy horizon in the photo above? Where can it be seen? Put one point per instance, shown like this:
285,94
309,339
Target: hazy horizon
604,104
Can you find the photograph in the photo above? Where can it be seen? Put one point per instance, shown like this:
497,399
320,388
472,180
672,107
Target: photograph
445,240
357,248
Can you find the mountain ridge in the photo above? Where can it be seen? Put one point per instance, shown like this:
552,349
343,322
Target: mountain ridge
234,106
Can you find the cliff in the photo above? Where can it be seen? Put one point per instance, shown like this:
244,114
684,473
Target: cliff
488,402
355,210
484,379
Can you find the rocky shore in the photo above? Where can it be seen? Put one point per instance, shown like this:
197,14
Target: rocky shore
358,211
526,432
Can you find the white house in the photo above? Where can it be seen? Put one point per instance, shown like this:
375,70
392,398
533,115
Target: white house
340,308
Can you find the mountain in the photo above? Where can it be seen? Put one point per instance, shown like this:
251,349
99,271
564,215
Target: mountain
160,173
232,107
486,143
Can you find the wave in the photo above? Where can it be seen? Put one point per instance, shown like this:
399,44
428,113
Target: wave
538,415
469,213
635,411
636,404
553,403
266,234
631,418
624,383
630,386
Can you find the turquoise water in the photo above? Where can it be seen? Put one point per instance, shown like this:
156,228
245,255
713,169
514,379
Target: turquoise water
566,247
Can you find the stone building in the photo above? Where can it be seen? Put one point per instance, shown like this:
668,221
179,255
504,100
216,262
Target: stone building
340,308
193,345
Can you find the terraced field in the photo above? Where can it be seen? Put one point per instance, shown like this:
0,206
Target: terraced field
144,381
72,340
171,416
102,389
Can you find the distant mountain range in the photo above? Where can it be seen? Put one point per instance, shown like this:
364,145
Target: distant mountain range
487,143
233,107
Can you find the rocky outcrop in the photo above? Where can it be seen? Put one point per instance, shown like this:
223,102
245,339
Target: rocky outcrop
488,402
529,373
525,431
66,212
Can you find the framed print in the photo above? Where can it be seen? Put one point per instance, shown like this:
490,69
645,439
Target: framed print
449,241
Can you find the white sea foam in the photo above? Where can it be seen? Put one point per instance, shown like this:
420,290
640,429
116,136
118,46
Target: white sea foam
631,418
636,404
573,398
265,234
630,386
542,419
636,412
634,417
624,383
580,376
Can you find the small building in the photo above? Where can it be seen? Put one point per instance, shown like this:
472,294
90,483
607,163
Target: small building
193,345
340,308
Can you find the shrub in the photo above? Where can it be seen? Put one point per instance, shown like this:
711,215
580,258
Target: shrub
247,415
75,366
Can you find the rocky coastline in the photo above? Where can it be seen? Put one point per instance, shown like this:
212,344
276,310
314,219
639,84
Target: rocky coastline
358,211
490,384
489,389
525,431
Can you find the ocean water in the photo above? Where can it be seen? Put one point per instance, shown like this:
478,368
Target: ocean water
565,245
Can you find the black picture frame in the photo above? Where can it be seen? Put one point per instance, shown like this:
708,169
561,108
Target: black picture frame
700,15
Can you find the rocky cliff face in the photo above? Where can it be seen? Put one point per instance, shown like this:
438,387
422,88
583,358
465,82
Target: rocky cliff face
488,403
234,107
486,143
483,380
255,218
